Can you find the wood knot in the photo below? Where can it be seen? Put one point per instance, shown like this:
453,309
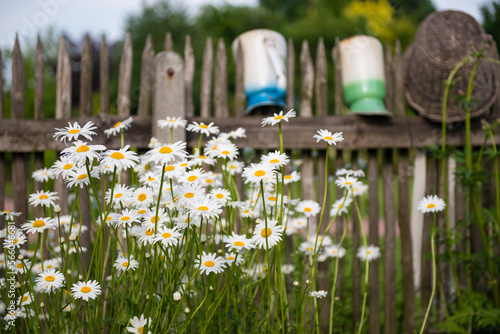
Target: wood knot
170,72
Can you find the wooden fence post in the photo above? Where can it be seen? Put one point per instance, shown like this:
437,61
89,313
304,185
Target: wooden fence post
373,238
147,78
290,74
168,94
220,82
189,76
2,158
104,76
206,79
125,78
239,94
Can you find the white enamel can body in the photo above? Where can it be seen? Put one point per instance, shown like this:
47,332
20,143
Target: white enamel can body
264,67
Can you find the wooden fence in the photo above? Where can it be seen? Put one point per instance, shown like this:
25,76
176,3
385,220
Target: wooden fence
166,89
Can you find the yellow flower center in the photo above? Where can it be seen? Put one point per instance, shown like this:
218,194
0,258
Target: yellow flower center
108,218
43,196
15,241
142,197
125,218
82,176
189,195
20,265
368,252
85,289
259,173
118,195
25,298
155,219
219,196
328,138
272,198
171,120
117,125
150,179
348,183
73,131
5,211
239,243
141,330
83,148
192,178
202,157
117,155
39,223
169,168
203,208
266,232
150,231
125,264
209,263
49,266
288,177
68,166
184,164
307,209
230,258
431,205
141,211
166,235
225,152
165,150
274,161
203,126
276,118
309,248
50,278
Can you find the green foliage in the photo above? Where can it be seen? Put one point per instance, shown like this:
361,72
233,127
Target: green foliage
491,19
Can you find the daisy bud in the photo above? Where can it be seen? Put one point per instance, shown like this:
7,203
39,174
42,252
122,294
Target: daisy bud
186,310
73,236
57,208
147,255
147,297
307,282
20,257
109,278
211,288
136,170
177,296
295,283
68,271
219,251
42,305
80,277
62,240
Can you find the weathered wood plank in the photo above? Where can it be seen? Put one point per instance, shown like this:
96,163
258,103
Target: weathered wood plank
356,271
63,90
125,78
86,78
168,45
406,241
2,158
220,81
359,132
321,82
168,98
39,61
307,75
389,246
104,76
494,54
189,76
147,78
389,79
337,74
399,91
17,91
373,238
2,112
206,79
321,188
290,74
239,94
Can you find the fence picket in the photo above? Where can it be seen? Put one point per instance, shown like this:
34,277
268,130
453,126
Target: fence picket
321,83
373,238
307,74
239,93
337,71
104,76
39,113
206,79
125,78
2,157
290,74
220,81
86,78
189,76
147,77
399,92
356,243
169,44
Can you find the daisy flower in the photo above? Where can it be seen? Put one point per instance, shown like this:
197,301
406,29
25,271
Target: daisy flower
85,290
168,236
195,175
233,258
188,193
221,195
341,206
326,241
164,154
51,264
272,234
226,150
127,218
49,279
121,194
318,294
293,177
205,207
9,215
14,240
207,130
349,172
276,159
43,198
369,253
142,196
346,181
184,221
119,127
210,263
72,132
63,166
174,170
151,179
172,122
79,177
39,225
21,267
306,247
359,189
146,235
308,208
199,159
259,172
238,242
138,324
151,219
238,133
25,299
122,159
42,175
329,137
298,222
80,152
277,118
247,212
124,263
235,167
431,203
287,269
335,251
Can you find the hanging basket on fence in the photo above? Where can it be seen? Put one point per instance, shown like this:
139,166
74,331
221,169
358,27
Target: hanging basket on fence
442,40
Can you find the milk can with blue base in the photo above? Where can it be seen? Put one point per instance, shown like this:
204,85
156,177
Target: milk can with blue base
363,75
264,69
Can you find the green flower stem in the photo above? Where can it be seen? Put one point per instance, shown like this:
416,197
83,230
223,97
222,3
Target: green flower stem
367,265
334,284
434,272
497,180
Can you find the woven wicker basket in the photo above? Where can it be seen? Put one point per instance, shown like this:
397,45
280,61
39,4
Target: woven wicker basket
443,39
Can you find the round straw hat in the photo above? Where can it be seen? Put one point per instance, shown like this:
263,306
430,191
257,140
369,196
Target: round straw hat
442,40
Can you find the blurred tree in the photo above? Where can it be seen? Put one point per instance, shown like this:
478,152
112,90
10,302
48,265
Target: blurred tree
416,10
491,20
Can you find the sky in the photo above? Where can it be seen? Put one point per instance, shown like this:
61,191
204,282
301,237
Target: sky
28,17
